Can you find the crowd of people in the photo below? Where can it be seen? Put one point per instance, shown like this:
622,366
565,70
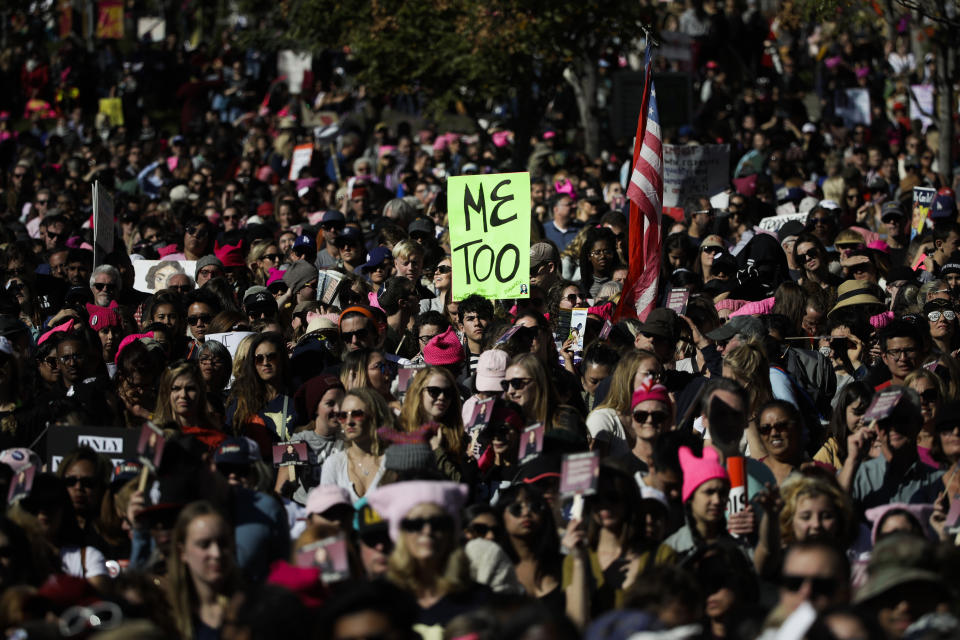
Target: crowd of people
361,452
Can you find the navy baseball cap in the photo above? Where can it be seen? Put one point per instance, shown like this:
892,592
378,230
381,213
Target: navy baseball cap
943,206
125,472
350,234
303,241
333,216
233,451
376,258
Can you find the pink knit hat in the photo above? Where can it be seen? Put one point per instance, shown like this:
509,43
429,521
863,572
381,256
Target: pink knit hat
60,328
696,470
103,317
729,303
133,337
648,390
444,349
396,500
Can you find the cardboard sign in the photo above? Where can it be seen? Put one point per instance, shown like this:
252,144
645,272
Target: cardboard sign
882,405
21,484
112,108
579,473
578,324
694,171
150,445
231,339
152,275
677,300
116,443
489,218
329,555
921,104
853,105
922,199
302,155
287,454
110,21
531,441
103,234
773,223
328,287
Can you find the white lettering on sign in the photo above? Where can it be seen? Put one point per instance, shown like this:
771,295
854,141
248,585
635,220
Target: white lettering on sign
102,444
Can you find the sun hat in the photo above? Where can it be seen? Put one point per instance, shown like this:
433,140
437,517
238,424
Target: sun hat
696,470
854,292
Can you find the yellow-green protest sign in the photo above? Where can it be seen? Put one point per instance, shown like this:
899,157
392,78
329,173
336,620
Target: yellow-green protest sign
113,109
489,219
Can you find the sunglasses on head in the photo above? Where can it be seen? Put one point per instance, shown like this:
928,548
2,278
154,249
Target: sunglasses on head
205,318
436,392
85,483
655,417
437,523
818,586
516,383
356,414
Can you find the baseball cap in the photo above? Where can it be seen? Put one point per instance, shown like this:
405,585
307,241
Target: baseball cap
542,252
662,323
332,216
423,226
790,229
943,206
350,234
891,210
234,451
376,257
491,370
304,241
746,325
327,496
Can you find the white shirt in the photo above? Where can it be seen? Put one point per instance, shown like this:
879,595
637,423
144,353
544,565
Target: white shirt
83,562
335,472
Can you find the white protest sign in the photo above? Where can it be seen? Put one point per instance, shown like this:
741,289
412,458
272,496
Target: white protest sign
103,233
231,340
302,154
773,223
694,170
853,105
151,275
677,47
294,64
921,104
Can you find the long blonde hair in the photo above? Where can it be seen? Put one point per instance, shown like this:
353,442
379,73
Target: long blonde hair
164,411
620,396
402,569
378,415
542,411
413,415
180,589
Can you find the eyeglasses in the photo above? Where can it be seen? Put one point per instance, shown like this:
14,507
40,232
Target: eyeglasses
712,249
198,232
896,354
812,254
436,392
108,286
948,315
818,586
356,414
599,253
72,357
535,507
263,358
656,418
273,257
516,383
85,483
205,318
779,427
348,336
480,530
437,523
211,360
426,339
444,269
50,361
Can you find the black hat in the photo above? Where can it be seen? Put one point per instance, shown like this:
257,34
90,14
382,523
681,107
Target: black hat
663,323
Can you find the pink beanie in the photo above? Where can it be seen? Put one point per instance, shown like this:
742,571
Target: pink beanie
650,391
103,317
133,337
696,470
729,303
60,328
444,349
274,275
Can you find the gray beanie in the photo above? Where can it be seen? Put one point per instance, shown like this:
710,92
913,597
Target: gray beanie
408,451
299,274
207,261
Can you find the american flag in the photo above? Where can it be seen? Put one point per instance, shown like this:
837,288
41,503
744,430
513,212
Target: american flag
645,193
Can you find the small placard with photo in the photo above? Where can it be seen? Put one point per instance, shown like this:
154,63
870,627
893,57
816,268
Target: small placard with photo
329,555
883,405
21,484
578,324
150,446
531,441
579,473
286,454
677,299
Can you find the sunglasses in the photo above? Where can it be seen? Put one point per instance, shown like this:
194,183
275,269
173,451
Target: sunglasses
228,469
333,227
197,231
348,336
712,249
263,358
205,318
536,507
100,286
516,383
779,427
273,257
16,286
818,586
230,218
85,483
72,357
573,298
376,539
436,392
851,246
50,361
444,269
480,530
437,523
258,313
655,417
823,220
812,254
947,315
356,414
929,396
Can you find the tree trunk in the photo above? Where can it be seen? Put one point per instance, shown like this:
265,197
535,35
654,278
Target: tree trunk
945,108
584,83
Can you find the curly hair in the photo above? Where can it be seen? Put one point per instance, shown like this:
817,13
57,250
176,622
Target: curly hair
801,486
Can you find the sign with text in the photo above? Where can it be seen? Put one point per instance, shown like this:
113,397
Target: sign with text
489,217
579,473
112,108
921,104
853,105
773,223
922,200
116,443
694,171
302,154
882,405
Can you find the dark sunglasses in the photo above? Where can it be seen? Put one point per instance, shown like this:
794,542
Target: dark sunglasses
100,286
655,417
812,254
516,383
263,358
444,269
197,231
258,313
85,483
227,469
375,539
825,221
436,392
818,586
205,318
779,427
573,298
437,523
480,530
849,245
273,257
712,249
356,414
929,396
535,507
50,361
348,336
332,227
